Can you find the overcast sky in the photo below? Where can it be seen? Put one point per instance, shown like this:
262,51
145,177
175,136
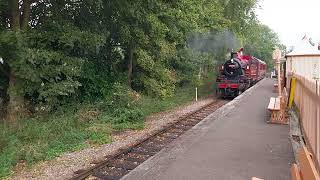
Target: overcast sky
291,19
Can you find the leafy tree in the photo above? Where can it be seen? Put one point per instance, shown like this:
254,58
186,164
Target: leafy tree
68,51
45,62
260,42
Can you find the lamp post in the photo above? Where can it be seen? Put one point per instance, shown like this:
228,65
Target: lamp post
276,57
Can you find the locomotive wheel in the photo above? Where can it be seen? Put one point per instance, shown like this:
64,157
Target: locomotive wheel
220,94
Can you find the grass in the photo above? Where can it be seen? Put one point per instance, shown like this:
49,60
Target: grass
75,128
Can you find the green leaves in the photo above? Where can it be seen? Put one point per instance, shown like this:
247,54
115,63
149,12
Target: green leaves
76,50
86,51
260,41
49,59
155,78
66,38
48,74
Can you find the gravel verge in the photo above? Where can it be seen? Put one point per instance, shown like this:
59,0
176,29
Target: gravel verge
65,165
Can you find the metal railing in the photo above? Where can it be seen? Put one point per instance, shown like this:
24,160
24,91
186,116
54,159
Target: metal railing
307,100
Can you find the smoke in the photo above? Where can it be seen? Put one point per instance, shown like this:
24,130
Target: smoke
213,42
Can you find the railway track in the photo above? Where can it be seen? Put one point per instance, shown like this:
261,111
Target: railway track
125,160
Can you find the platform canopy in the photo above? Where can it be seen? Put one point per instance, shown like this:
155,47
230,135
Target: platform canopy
304,48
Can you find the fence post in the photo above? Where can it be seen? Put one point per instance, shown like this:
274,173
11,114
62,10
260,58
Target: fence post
196,93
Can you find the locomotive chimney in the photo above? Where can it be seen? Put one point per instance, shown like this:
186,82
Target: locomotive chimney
233,55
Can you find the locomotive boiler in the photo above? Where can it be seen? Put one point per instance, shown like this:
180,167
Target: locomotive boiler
239,73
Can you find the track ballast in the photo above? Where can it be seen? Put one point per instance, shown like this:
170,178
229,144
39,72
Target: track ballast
118,165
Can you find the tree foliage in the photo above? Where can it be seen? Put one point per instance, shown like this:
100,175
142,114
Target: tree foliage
65,51
78,67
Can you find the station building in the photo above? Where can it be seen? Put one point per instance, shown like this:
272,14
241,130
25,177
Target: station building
304,60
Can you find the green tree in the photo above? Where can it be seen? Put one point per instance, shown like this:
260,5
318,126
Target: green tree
67,51
45,62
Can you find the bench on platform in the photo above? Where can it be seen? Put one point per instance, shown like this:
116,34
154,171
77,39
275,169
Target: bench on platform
275,108
274,104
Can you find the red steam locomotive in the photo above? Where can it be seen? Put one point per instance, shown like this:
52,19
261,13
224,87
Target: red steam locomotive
239,73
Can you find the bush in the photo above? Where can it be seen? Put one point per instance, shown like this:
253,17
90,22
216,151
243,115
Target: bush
48,61
120,96
153,77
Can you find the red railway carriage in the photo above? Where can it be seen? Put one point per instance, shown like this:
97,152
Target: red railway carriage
257,69
239,73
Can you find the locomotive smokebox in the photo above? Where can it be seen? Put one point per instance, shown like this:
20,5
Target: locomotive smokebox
239,73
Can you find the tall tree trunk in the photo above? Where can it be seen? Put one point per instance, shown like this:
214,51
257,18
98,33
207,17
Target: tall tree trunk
26,14
16,106
205,70
15,15
16,100
130,66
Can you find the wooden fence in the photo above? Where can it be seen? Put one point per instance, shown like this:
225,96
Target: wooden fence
307,100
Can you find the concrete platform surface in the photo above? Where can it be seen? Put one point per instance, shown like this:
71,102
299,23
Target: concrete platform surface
233,143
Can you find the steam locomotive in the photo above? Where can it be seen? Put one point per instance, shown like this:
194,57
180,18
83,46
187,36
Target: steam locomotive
238,74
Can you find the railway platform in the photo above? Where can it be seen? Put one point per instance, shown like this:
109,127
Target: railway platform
233,143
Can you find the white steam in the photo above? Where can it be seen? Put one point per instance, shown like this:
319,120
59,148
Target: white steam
213,42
